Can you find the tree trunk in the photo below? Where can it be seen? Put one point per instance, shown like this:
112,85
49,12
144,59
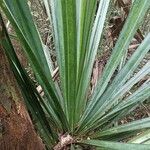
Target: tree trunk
16,128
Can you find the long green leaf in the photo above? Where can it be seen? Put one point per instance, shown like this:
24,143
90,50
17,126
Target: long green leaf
90,54
142,138
116,145
129,127
64,23
85,17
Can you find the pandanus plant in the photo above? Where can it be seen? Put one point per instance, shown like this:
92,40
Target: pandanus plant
66,117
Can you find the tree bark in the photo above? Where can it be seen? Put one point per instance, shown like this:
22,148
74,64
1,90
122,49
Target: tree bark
16,129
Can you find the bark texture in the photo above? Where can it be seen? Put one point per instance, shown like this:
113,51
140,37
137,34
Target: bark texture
16,129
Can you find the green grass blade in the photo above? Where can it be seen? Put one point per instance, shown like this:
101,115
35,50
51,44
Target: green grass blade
116,145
